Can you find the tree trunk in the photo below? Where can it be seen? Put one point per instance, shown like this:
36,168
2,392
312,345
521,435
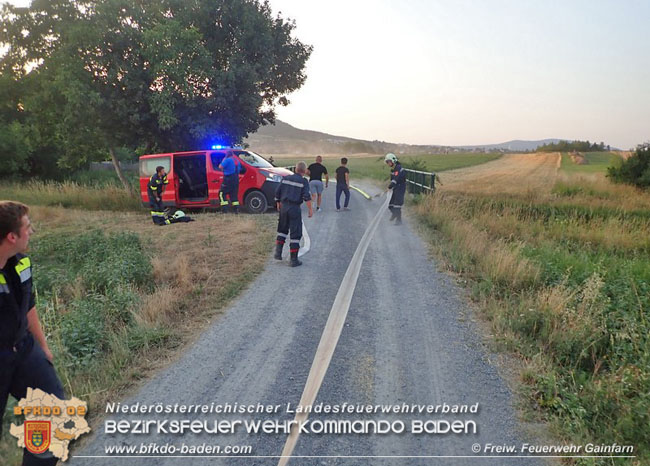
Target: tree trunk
120,175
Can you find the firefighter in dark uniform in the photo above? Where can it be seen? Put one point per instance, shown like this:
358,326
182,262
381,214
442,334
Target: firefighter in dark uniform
293,190
155,188
398,185
25,358
232,167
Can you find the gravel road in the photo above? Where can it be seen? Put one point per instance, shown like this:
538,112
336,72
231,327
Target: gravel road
408,338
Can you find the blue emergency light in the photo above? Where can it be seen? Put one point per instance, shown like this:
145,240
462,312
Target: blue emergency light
217,147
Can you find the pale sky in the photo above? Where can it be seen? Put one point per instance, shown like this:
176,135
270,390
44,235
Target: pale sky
473,71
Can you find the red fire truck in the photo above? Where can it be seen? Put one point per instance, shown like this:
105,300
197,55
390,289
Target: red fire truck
195,178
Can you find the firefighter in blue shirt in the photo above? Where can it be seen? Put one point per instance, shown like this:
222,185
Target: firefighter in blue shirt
293,190
398,185
157,184
25,358
232,167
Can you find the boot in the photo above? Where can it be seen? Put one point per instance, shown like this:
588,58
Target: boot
393,215
278,251
294,260
398,217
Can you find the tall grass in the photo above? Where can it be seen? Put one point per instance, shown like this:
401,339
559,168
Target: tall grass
565,281
70,194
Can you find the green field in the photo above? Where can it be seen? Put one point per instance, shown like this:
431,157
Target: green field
375,168
597,162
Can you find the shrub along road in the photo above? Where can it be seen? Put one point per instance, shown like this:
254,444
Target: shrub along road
408,339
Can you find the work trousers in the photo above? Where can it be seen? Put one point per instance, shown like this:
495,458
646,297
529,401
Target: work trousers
157,210
397,201
228,193
27,367
290,221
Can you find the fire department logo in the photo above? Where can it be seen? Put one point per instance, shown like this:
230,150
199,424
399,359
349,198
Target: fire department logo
50,423
37,436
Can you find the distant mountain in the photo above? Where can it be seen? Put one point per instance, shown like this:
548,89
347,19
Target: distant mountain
282,138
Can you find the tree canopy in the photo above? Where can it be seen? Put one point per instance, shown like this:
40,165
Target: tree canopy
570,146
84,77
635,170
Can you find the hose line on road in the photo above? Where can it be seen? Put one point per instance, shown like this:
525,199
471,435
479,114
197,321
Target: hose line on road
331,333
305,244
367,196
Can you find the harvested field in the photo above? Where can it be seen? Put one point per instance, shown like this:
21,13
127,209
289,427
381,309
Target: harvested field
512,173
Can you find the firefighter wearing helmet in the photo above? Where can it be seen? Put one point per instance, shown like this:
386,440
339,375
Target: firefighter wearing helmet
398,186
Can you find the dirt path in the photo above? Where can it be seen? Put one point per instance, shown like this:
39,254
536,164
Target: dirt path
408,339
509,174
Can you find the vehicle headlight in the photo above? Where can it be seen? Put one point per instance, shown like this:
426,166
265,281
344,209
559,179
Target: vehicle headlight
272,177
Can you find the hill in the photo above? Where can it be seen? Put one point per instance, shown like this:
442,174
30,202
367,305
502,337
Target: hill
283,138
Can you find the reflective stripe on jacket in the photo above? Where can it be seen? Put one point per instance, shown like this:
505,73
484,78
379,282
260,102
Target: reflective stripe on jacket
14,309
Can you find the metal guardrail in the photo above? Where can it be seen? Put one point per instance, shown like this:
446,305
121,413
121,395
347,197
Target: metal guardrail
420,182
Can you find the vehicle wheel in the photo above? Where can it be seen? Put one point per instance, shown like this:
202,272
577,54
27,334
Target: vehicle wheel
256,202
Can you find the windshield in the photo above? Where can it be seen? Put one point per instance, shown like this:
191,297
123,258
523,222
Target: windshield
253,159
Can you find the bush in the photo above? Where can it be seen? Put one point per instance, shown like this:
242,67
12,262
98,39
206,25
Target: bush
635,170
415,164
99,277
103,262
83,330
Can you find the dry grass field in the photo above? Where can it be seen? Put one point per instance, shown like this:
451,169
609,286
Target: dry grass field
119,296
556,256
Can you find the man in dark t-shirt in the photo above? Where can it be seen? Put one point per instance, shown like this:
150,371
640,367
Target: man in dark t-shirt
342,184
316,171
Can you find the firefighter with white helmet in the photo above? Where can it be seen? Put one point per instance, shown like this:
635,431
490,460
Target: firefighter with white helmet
398,186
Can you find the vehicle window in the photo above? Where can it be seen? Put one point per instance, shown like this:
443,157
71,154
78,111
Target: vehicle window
216,158
253,159
148,166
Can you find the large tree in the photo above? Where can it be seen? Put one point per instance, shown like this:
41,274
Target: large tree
634,170
155,74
